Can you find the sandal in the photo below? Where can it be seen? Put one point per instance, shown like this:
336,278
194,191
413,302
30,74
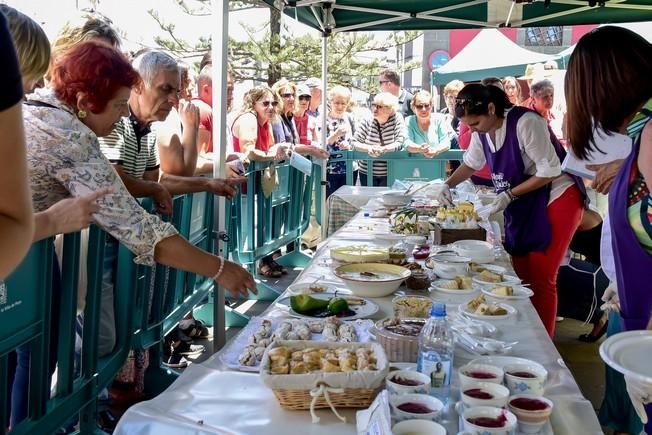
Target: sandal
278,267
193,328
266,270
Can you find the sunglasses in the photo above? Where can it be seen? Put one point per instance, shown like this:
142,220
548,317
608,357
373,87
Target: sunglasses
288,95
378,106
422,106
304,97
268,103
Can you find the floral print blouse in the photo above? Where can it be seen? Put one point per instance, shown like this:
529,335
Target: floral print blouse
64,159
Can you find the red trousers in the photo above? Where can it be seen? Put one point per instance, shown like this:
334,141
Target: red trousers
540,269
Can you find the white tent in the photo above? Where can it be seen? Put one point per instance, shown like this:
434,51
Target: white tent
490,53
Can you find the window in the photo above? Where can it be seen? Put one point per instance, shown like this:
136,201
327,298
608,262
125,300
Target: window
544,36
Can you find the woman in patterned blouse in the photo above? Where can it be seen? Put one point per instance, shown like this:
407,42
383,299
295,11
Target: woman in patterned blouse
91,84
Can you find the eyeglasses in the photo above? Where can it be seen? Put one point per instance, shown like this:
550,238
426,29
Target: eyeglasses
378,106
288,95
304,97
268,103
451,97
422,106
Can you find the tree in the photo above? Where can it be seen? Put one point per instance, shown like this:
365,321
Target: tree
267,56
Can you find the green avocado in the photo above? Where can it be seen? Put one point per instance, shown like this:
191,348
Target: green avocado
337,305
303,304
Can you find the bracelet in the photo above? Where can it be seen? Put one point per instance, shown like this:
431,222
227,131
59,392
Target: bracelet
511,195
219,271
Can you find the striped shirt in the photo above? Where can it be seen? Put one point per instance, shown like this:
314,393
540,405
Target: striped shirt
132,147
391,134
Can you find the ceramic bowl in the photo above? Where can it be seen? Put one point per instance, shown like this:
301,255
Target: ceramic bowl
472,414
372,280
395,387
531,384
434,404
477,250
418,427
467,378
395,198
499,394
530,420
449,265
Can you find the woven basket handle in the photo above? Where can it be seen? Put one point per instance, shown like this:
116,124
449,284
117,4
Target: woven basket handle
322,388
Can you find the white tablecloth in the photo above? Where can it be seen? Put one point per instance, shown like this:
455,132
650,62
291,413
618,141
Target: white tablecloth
211,399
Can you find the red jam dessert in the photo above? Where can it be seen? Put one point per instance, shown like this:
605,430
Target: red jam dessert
415,408
523,374
480,375
477,393
528,404
499,421
407,382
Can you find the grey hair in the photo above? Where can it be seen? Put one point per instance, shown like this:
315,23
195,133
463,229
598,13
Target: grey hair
541,86
150,63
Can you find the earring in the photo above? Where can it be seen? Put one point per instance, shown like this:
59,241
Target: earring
81,114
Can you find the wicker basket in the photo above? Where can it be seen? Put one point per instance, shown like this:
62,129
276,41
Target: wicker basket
357,389
299,400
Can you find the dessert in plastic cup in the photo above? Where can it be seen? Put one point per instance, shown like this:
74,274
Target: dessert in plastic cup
415,406
489,420
418,427
472,373
525,378
484,394
532,411
407,382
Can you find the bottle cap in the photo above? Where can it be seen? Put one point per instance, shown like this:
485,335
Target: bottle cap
438,310
366,214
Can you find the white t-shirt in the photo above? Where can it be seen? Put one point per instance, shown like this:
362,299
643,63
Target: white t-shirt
539,156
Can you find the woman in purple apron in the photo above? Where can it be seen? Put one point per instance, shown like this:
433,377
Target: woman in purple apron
607,86
542,205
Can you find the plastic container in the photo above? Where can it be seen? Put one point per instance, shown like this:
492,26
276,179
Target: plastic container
436,351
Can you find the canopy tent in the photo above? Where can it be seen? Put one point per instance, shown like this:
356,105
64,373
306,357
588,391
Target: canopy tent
643,29
350,15
490,53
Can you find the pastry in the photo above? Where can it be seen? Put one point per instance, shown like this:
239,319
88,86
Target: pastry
476,302
503,290
346,333
464,282
259,351
247,357
489,276
316,326
298,367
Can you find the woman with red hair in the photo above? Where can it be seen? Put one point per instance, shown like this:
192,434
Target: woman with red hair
90,86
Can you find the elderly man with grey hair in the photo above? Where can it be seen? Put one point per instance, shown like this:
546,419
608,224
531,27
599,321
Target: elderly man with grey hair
132,146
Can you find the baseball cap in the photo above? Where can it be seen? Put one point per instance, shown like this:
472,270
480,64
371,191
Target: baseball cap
303,90
313,82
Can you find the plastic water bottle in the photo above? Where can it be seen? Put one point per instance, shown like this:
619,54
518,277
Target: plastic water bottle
436,350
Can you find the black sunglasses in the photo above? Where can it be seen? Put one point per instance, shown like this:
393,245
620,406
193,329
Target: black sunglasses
268,103
422,106
305,97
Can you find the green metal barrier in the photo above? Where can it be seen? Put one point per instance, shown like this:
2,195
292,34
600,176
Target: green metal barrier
401,165
258,226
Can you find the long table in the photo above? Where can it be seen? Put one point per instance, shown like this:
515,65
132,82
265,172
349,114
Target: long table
209,398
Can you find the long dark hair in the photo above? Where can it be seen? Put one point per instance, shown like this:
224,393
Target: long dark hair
474,99
609,77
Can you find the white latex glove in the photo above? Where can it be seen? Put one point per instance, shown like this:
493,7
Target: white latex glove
442,193
500,203
640,393
610,299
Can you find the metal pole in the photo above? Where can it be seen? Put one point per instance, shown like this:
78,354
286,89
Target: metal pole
219,48
324,135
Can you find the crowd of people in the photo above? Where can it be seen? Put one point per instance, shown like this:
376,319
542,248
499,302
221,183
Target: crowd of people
88,130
